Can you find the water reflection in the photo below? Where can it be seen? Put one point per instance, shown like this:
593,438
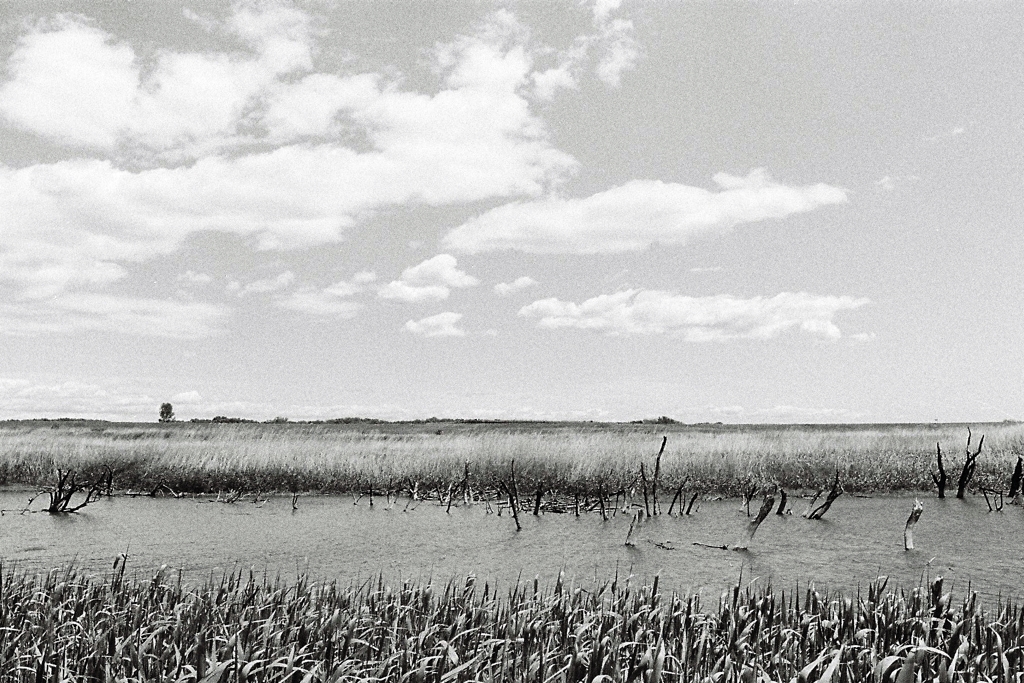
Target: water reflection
329,537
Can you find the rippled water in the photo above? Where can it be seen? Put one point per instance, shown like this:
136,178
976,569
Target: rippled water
330,537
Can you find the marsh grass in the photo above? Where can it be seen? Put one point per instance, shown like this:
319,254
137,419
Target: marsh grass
571,459
69,626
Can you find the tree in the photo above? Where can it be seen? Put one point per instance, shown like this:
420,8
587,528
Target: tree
166,412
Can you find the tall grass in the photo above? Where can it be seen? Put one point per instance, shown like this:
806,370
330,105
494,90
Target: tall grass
67,626
564,459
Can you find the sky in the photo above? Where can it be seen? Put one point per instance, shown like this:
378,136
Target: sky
746,212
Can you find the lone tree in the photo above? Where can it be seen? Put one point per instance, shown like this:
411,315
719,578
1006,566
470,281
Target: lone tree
166,412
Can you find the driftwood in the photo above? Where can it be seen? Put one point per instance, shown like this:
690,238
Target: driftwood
637,517
679,492
752,525
782,503
940,477
908,530
67,485
657,474
643,479
997,496
834,492
512,492
693,499
970,465
1015,481
748,495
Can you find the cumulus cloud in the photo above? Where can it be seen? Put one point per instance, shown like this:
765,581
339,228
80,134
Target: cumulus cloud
431,280
636,215
440,325
621,52
609,51
251,141
519,284
330,301
187,101
696,319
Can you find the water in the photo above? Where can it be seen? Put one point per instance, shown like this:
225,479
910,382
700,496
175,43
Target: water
330,537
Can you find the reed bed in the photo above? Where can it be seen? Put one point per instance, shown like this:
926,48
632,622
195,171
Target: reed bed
69,626
573,459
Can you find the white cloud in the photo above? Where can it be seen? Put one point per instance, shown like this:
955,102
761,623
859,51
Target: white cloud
320,302
193,278
621,54
636,215
25,399
547,83
696,319
431,280
332,300
440,325
72,84
248,141
282,281
188,397
87,312
504,288
401,291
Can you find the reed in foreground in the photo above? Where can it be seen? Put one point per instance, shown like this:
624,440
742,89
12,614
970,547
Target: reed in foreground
66,626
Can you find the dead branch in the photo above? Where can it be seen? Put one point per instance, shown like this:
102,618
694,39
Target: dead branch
970,465
766,507
834,492
908,530
657,472
1015,480
782,503
940,477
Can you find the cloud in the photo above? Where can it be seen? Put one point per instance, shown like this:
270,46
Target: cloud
251,141
25,399
504,288
320,303
89,312
187,397
696,319
440,325
780,414
636,215
431,280
188,102
196,279
547,83
330,301
621,52
282,281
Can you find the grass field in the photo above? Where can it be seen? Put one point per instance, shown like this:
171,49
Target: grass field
66,626
560,458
